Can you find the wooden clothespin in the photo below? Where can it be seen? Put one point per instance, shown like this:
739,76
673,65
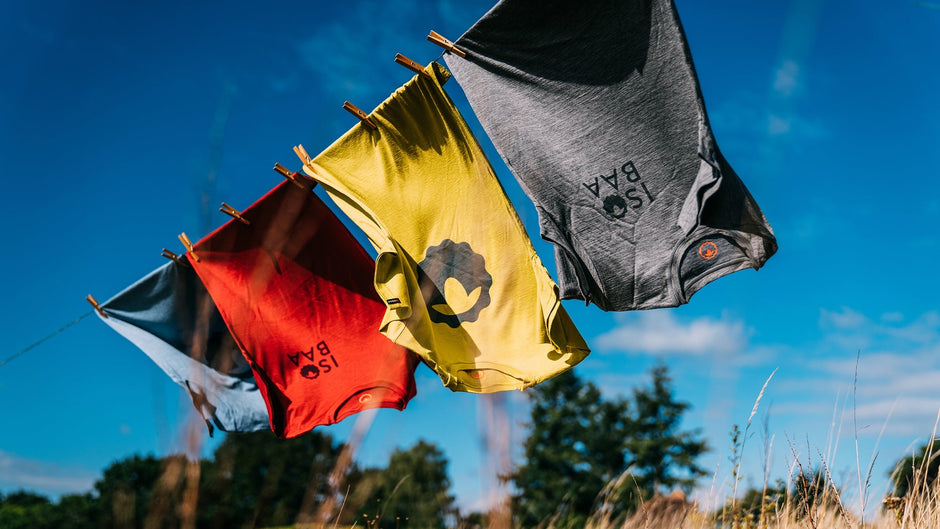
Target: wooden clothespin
234,213
363,117
438,39
173,257
286,173
302,154
189,245
94,303
411,65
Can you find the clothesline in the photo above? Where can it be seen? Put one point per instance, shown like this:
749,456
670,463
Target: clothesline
66,326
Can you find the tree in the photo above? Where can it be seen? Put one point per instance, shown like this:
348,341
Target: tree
124,491
76,511
29,510
917,473
25,510
258,480
663,457
580,444
573,449
411,492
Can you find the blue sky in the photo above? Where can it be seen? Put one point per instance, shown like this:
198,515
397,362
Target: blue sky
117,118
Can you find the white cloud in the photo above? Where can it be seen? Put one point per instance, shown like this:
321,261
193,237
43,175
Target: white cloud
660,333
892,317
787,79
925,329
897,364
777,125
910,415
42,476
890,336
613,383
348,65
846,318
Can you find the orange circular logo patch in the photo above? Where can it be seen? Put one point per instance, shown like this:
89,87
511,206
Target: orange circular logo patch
708,250
476,373
364,398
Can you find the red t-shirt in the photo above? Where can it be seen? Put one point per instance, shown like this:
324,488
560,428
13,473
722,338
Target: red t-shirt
296,291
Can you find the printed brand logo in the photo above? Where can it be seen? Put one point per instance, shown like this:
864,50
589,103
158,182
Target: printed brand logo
708,250
475,373
393,301
364,398
314,369
615,202
454,283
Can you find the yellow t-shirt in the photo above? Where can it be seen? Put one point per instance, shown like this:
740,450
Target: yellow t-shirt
463,285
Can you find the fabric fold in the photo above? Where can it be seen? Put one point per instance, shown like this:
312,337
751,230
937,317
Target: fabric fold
481,309
169,315
598,113
296,291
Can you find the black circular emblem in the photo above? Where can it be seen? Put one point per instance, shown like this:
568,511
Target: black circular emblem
450,260
616,206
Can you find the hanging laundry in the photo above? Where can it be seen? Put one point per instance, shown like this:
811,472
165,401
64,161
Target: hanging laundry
169,315
598,113
462,282
295,289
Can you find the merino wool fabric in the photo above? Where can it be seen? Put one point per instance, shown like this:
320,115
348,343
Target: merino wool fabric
463,285
169,315
596,109
295,289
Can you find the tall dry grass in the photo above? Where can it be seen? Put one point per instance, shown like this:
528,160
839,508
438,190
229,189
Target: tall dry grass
810,498
920,509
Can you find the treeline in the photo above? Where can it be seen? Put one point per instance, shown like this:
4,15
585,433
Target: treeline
252,480
584,454
578,444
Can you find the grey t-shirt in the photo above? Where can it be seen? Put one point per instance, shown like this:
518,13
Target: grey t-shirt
596,109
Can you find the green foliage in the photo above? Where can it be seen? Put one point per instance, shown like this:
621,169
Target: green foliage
76,511
411,492
917,472
812,492
756,507
124,491
254,480
27,510
24,499
811,495
579,443
573,449
663,457
258,480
